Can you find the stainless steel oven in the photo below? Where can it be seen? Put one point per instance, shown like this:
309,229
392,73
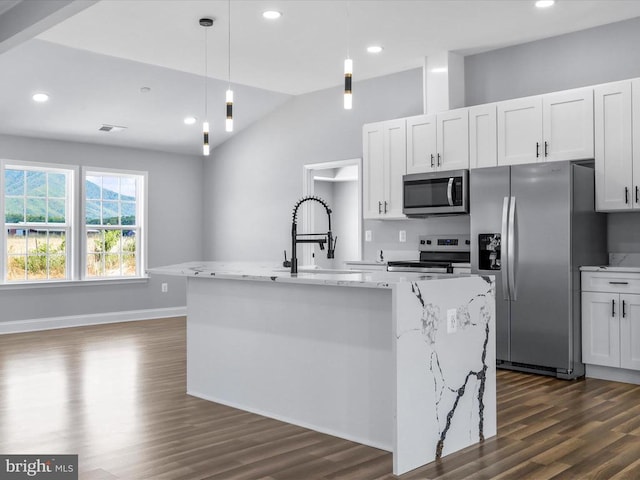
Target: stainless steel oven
436,193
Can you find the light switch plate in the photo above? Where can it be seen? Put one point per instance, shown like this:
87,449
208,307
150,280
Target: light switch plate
367,235
402,236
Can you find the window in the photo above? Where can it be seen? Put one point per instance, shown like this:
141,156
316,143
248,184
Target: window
38,222
113,224
62,226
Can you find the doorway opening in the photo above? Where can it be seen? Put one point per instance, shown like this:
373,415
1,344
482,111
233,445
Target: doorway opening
339,183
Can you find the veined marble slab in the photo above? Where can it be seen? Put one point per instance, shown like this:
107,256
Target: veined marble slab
446,378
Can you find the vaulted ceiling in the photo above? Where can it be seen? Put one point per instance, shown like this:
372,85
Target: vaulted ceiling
94,57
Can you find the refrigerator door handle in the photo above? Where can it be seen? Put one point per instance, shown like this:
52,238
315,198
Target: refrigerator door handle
450,191
511,251
505,248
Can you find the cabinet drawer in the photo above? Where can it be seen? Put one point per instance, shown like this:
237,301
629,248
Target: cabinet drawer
615,282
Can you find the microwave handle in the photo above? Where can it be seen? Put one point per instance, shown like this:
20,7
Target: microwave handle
450,191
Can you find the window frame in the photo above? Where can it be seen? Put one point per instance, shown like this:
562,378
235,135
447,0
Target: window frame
68,227
141,226
76,256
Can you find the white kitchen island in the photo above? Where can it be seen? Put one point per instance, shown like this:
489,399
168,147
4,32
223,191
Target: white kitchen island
400,361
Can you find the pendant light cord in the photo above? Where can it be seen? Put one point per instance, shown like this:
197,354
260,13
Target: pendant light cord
205,74
348,29
229,45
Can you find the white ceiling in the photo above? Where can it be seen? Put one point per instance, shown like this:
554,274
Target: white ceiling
95,62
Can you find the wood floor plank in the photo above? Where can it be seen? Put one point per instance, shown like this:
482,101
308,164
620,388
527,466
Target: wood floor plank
115,395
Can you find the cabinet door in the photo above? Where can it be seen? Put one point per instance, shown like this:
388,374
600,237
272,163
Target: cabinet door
373,169
601,329
483,141
630,332
395,157
520,131
567,122
613,154
453,140
635,96
421,144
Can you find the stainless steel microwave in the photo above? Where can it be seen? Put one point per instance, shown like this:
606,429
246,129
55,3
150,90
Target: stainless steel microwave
436,193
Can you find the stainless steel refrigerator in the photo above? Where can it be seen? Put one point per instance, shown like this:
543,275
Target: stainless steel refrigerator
533,226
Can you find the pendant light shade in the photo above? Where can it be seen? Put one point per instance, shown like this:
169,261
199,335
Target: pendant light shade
348,72
206,23
229,121
205,142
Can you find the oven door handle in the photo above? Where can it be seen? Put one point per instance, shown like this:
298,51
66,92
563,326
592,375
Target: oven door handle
450,191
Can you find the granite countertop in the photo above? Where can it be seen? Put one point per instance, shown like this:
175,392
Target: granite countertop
270,272
609,268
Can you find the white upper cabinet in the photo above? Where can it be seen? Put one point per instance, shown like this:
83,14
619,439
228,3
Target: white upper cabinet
613,147
453,139
438,142
555,126
567,125
421,144
483,137
519,131
373,168
635,121
384,163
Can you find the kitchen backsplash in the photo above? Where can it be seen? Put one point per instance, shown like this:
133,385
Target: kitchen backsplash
385,235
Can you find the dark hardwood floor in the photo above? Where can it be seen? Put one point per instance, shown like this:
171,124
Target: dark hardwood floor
115,395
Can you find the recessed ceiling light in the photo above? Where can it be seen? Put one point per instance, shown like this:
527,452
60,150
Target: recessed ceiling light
271,14
145,89
545,3
190,120
439,70
374,49
40,97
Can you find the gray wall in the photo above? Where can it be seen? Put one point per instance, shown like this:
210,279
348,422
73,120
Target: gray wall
253,180
588,57
174,228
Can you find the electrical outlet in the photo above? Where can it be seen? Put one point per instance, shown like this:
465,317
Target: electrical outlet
367,235
164,287
452,323
402,236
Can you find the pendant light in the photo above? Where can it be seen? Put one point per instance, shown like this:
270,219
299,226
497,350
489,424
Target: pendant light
229,95
348,71
206,23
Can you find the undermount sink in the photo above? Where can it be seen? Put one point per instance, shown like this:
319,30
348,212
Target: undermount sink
324,271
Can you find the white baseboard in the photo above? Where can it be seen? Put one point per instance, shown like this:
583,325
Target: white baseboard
613,374
19,326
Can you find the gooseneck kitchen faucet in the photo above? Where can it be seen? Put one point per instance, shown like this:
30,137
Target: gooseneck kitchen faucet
295,236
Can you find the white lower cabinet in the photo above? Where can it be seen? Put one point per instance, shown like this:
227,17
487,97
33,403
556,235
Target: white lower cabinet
611,320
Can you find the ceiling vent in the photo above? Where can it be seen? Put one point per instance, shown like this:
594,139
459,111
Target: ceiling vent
111,128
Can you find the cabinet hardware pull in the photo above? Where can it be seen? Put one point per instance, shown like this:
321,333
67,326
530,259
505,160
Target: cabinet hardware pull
613,308
385,206
379,207
432,160
439,163
618,283
636,194
626,195
537,149
624,314
546,147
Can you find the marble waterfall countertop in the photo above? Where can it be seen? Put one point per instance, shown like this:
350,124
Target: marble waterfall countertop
270,272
